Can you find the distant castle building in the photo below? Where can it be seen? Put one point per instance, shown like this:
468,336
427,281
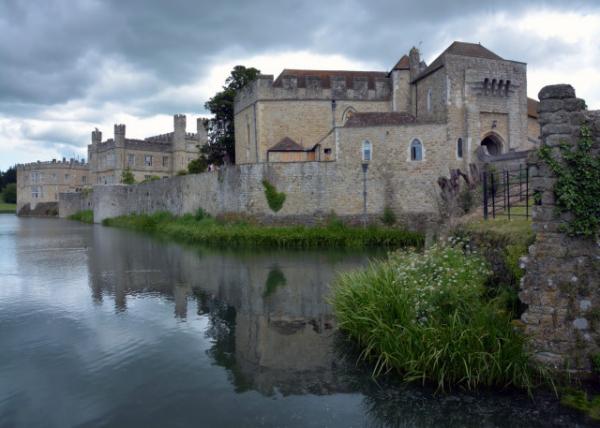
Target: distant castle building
161,155
41,182
431,117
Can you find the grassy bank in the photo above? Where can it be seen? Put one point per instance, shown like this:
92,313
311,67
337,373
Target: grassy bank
430,318
7,208
86,216
202,229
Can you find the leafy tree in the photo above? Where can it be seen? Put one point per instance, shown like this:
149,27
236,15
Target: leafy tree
221,132
198,165
127,176
10,193
7,177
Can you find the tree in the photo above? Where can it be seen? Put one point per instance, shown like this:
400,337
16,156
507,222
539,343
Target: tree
7,177
127,176
10,193
221,132
198,166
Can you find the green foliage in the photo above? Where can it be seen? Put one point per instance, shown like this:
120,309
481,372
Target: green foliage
9,194
209,231
221,132
275,199
198,166
201,214
182,172
425,316
579,400
275,280
7,177
127,176
577,187
596,363
466,199
85,216
151,179
388,218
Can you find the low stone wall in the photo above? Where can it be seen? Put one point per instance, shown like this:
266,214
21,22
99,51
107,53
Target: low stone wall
41,209
562,282
71,203
313,191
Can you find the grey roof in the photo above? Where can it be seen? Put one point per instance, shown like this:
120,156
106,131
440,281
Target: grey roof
287,145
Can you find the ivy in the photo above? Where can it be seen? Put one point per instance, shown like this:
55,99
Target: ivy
275,199
577,187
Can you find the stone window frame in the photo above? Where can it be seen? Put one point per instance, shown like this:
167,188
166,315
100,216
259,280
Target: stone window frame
130,159
367,151
429,103
410,151
147,160
165,161
460,148
36,192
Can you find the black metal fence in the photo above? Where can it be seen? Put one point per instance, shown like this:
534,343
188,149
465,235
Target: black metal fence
506,193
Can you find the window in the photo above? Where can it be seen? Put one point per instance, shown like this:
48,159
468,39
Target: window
366,151
67,176
147,177
327,151
165,161
131,159
36,176
416,150
35,192
148,160
83,179
459,148
429,100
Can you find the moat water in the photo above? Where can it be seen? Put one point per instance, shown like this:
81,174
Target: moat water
107,327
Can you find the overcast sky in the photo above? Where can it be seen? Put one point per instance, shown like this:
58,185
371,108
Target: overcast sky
67,66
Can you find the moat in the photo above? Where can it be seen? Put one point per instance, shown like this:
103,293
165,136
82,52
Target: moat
107,327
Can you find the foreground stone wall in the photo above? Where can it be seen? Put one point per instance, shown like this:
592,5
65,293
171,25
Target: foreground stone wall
562,282
71,203
313,190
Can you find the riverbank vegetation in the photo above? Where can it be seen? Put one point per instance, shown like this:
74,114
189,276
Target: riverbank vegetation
86,216
8,199
429,317
237,231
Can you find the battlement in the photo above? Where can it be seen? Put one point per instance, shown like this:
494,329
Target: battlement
316,85
54,164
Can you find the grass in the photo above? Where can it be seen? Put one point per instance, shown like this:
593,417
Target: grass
86,216
427,317
202,229
7,208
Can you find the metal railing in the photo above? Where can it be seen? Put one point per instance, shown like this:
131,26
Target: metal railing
506,192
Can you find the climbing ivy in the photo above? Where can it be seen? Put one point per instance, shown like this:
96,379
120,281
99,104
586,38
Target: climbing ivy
275,199
577,187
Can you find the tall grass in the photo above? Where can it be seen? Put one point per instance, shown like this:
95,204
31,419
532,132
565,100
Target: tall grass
85,216
234,233
425,316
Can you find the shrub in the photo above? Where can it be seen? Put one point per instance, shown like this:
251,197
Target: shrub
388,218
201,214
425,317
182,172
127,176
198,166
275,199
85,216
9,194
151,179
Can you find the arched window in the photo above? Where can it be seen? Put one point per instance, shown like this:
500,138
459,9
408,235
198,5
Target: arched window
459,148
429,100
366,151
416,150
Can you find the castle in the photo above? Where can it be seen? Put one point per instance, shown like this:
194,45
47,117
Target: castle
417,116
157,156
161,155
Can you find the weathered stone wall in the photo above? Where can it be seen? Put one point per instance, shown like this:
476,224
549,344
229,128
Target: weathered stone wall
562,282
72,203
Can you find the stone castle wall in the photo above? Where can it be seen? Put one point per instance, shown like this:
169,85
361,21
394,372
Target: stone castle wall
562,282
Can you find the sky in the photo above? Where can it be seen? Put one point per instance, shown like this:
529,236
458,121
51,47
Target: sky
69,66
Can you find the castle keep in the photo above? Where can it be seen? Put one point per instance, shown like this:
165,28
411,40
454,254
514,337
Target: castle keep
161,155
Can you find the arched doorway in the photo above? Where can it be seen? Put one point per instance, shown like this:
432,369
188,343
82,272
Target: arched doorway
493,144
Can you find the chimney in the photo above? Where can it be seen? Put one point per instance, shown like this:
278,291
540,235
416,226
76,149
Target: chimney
414,58
119,135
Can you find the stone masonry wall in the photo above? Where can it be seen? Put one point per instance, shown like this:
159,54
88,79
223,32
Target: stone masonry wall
562,282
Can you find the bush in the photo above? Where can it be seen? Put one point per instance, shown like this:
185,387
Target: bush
9,194
127,176
388,218
198,166
182,172
151,179
425,317
201,214
275,199
86,216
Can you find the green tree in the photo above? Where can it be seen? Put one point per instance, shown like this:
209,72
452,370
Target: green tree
8,176
198,165
127,176
10,193
221,132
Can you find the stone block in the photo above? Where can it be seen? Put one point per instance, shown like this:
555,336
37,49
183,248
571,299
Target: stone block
560,91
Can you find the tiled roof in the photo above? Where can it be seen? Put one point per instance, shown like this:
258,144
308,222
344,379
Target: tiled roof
326,75
532,106
287,145
359,120
403,64
474,50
